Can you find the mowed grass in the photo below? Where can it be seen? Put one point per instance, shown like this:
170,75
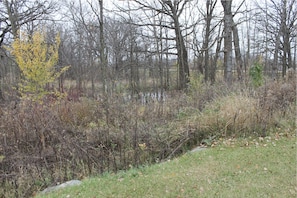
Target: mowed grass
264,167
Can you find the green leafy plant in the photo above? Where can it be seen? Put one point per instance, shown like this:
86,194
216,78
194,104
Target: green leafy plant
195,84
256,74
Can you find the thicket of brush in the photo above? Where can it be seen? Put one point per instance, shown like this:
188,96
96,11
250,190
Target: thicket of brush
48,143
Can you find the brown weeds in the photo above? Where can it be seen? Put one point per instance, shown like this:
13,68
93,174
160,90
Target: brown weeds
43,144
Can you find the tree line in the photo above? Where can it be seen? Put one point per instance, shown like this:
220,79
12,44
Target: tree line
152,44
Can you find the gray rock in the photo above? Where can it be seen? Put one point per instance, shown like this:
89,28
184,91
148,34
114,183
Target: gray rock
64,185
198,149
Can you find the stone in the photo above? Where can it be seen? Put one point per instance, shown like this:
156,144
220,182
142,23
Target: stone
199,148
64,185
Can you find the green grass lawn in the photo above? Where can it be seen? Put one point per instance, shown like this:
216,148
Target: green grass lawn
243,168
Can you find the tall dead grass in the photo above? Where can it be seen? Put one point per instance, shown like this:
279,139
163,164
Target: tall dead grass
230,115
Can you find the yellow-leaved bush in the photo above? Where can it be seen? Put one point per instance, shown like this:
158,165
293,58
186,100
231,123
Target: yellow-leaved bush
36,60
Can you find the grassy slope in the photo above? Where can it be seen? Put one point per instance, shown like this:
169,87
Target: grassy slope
265,168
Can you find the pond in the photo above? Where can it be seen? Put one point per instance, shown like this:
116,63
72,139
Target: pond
146,97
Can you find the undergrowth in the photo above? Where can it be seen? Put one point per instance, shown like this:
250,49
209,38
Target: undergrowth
47,143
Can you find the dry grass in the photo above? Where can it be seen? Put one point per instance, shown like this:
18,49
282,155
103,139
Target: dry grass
230,115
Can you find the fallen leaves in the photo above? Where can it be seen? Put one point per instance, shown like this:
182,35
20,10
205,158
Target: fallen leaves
250,141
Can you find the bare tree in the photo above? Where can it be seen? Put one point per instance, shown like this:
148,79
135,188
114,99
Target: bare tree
231,36
133,59
15,14
236,42
173,10
90,33
280,30
216,56
117,40
295,53
103,55
207,40
237,51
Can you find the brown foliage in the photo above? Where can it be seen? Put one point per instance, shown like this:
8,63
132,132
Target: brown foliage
44,144
277,95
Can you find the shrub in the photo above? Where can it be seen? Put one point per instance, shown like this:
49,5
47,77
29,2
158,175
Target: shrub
36,60
256,74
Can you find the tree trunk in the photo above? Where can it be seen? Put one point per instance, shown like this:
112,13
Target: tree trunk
214,64
13,18
182,54
210,6
103,58
275,58
228,22
206,48
167,76
1,93
295,55
237,51
200,63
